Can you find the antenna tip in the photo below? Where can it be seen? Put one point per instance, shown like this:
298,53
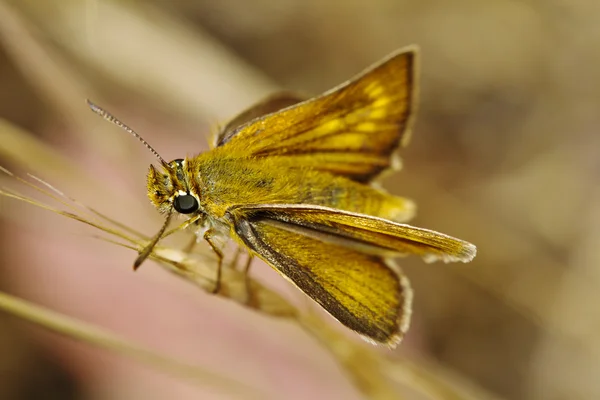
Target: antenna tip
93,106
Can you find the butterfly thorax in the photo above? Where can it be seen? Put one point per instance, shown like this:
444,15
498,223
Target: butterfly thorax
224,182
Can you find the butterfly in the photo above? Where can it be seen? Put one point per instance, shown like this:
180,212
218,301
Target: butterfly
294,183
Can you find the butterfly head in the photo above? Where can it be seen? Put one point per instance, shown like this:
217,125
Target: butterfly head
171,188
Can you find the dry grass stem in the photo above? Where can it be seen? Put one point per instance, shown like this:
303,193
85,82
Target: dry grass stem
93,335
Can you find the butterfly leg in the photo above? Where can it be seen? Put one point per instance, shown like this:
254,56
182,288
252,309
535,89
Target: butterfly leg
234,262
246,272
190,246
208,236
192,243
187,251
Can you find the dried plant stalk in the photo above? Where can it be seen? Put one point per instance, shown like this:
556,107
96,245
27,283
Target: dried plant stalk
93,335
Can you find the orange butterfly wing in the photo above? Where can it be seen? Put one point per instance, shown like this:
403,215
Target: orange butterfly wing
352,130
364,292
341,260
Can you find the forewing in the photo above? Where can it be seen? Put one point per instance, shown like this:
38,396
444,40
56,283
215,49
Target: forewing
269,105
362,291
352,130
363,232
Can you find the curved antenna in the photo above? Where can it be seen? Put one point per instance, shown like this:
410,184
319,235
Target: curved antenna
111,118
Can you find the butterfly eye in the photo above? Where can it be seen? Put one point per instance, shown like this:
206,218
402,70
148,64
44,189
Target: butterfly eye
185,204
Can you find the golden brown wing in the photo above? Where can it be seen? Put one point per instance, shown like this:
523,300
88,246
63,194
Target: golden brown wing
271,104
364,292
365,233
339,259
352,130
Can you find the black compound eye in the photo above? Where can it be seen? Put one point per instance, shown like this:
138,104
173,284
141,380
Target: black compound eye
185,204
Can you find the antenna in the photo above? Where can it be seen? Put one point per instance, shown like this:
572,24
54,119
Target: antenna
111,118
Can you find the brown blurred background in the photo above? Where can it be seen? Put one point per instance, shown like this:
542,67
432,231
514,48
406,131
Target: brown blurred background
506,154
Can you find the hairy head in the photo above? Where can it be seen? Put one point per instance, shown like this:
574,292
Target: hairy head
170,188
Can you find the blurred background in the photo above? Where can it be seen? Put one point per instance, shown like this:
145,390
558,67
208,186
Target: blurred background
505,154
